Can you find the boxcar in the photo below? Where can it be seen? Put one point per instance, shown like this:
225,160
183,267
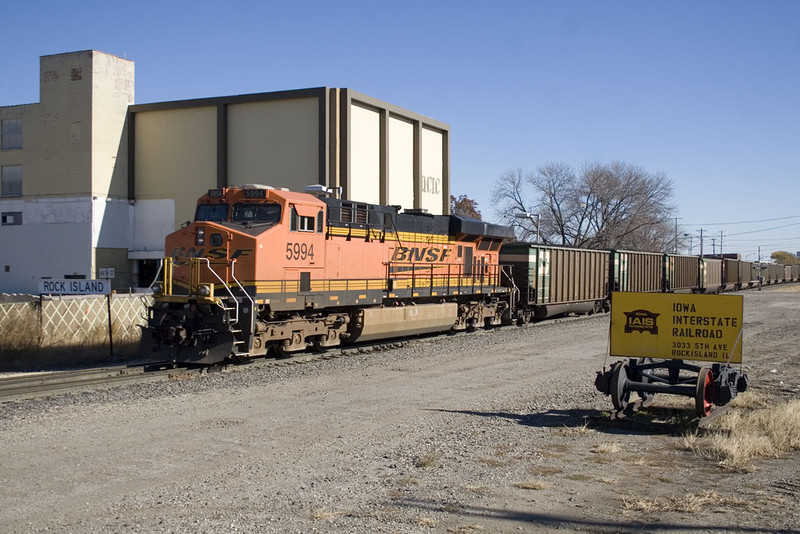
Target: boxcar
730,275
710,275
556,280
682,273
748,276
641,272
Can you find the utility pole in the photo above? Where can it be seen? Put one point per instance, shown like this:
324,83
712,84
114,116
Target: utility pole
676,233
759,269
720,243
701,242
713,247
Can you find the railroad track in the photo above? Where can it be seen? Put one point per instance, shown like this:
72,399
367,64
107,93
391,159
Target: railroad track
40,385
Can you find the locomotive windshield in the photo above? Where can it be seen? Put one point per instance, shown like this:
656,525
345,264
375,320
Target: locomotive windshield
256,213
212,212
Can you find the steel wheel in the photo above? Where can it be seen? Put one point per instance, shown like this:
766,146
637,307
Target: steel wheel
317,346
702,397
280,351
646,396
619,380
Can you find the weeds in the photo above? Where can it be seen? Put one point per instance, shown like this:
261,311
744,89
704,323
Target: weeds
739,437
426,461
534,485
688,504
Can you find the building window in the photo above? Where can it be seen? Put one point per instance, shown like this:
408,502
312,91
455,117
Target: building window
11,181
11,218
11,134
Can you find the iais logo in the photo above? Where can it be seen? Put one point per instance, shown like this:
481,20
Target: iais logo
641,321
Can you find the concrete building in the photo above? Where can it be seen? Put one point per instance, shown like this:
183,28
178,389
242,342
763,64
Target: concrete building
90,180
63,173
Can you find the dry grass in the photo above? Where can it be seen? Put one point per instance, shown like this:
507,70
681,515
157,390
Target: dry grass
544,470
581,430
323,514
429,460
606,447
494,461
463,529
739,437
691,503
20,330
535,485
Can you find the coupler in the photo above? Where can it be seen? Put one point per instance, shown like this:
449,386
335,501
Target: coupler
715,385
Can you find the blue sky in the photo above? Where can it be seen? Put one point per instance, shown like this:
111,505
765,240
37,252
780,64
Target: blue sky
705,91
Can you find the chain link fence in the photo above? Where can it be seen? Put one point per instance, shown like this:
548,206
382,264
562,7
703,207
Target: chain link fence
55,331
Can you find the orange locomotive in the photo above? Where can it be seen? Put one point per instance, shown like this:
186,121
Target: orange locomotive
264,269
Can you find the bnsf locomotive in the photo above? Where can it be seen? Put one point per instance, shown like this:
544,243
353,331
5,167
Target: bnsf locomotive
262,269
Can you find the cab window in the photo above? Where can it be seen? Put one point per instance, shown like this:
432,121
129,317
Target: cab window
257,213
300,223
212,212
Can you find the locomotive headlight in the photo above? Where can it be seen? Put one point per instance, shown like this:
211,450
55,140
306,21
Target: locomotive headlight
157,289
200,236
216,240
205,290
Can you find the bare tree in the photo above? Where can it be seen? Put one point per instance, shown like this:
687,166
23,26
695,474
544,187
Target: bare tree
616,205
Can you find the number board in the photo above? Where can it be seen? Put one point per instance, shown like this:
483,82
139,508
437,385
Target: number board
677,326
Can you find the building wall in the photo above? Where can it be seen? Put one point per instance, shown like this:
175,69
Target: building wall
275,142
74,175
176,160
431,182
365,155
401,170
404,154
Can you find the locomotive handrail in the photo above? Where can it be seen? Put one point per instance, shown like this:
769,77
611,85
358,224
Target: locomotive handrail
246,294
225,285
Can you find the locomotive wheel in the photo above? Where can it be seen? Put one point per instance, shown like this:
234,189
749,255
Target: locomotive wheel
619,380
702,396
280,352
316,345
646,396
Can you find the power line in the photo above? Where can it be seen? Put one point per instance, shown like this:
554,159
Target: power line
744,222
764,230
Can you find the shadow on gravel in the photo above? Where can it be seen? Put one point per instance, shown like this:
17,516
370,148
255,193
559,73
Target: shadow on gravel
652,421
567,523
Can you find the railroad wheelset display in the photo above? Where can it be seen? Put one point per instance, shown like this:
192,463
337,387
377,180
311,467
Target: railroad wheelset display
708,386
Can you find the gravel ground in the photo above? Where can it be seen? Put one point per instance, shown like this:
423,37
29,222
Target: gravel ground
498,431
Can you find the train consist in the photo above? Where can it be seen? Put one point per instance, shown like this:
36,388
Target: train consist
262,270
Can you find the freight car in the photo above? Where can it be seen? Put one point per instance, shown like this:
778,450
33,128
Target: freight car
265,269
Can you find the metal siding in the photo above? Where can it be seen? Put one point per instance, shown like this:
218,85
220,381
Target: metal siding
731,272
274,143
365,155
432,178
576,275
683,272
176,157
712,273
400,184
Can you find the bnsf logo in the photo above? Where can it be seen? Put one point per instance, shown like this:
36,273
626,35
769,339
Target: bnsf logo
213,253
427,254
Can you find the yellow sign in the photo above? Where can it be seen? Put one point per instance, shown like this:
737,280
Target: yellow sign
677,326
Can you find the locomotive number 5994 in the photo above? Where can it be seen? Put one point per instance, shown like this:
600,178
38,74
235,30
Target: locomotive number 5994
299,251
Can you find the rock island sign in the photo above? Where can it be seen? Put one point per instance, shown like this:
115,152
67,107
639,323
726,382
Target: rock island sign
677,326
74,287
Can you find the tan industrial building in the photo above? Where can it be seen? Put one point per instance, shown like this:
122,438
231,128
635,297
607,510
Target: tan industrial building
90,180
